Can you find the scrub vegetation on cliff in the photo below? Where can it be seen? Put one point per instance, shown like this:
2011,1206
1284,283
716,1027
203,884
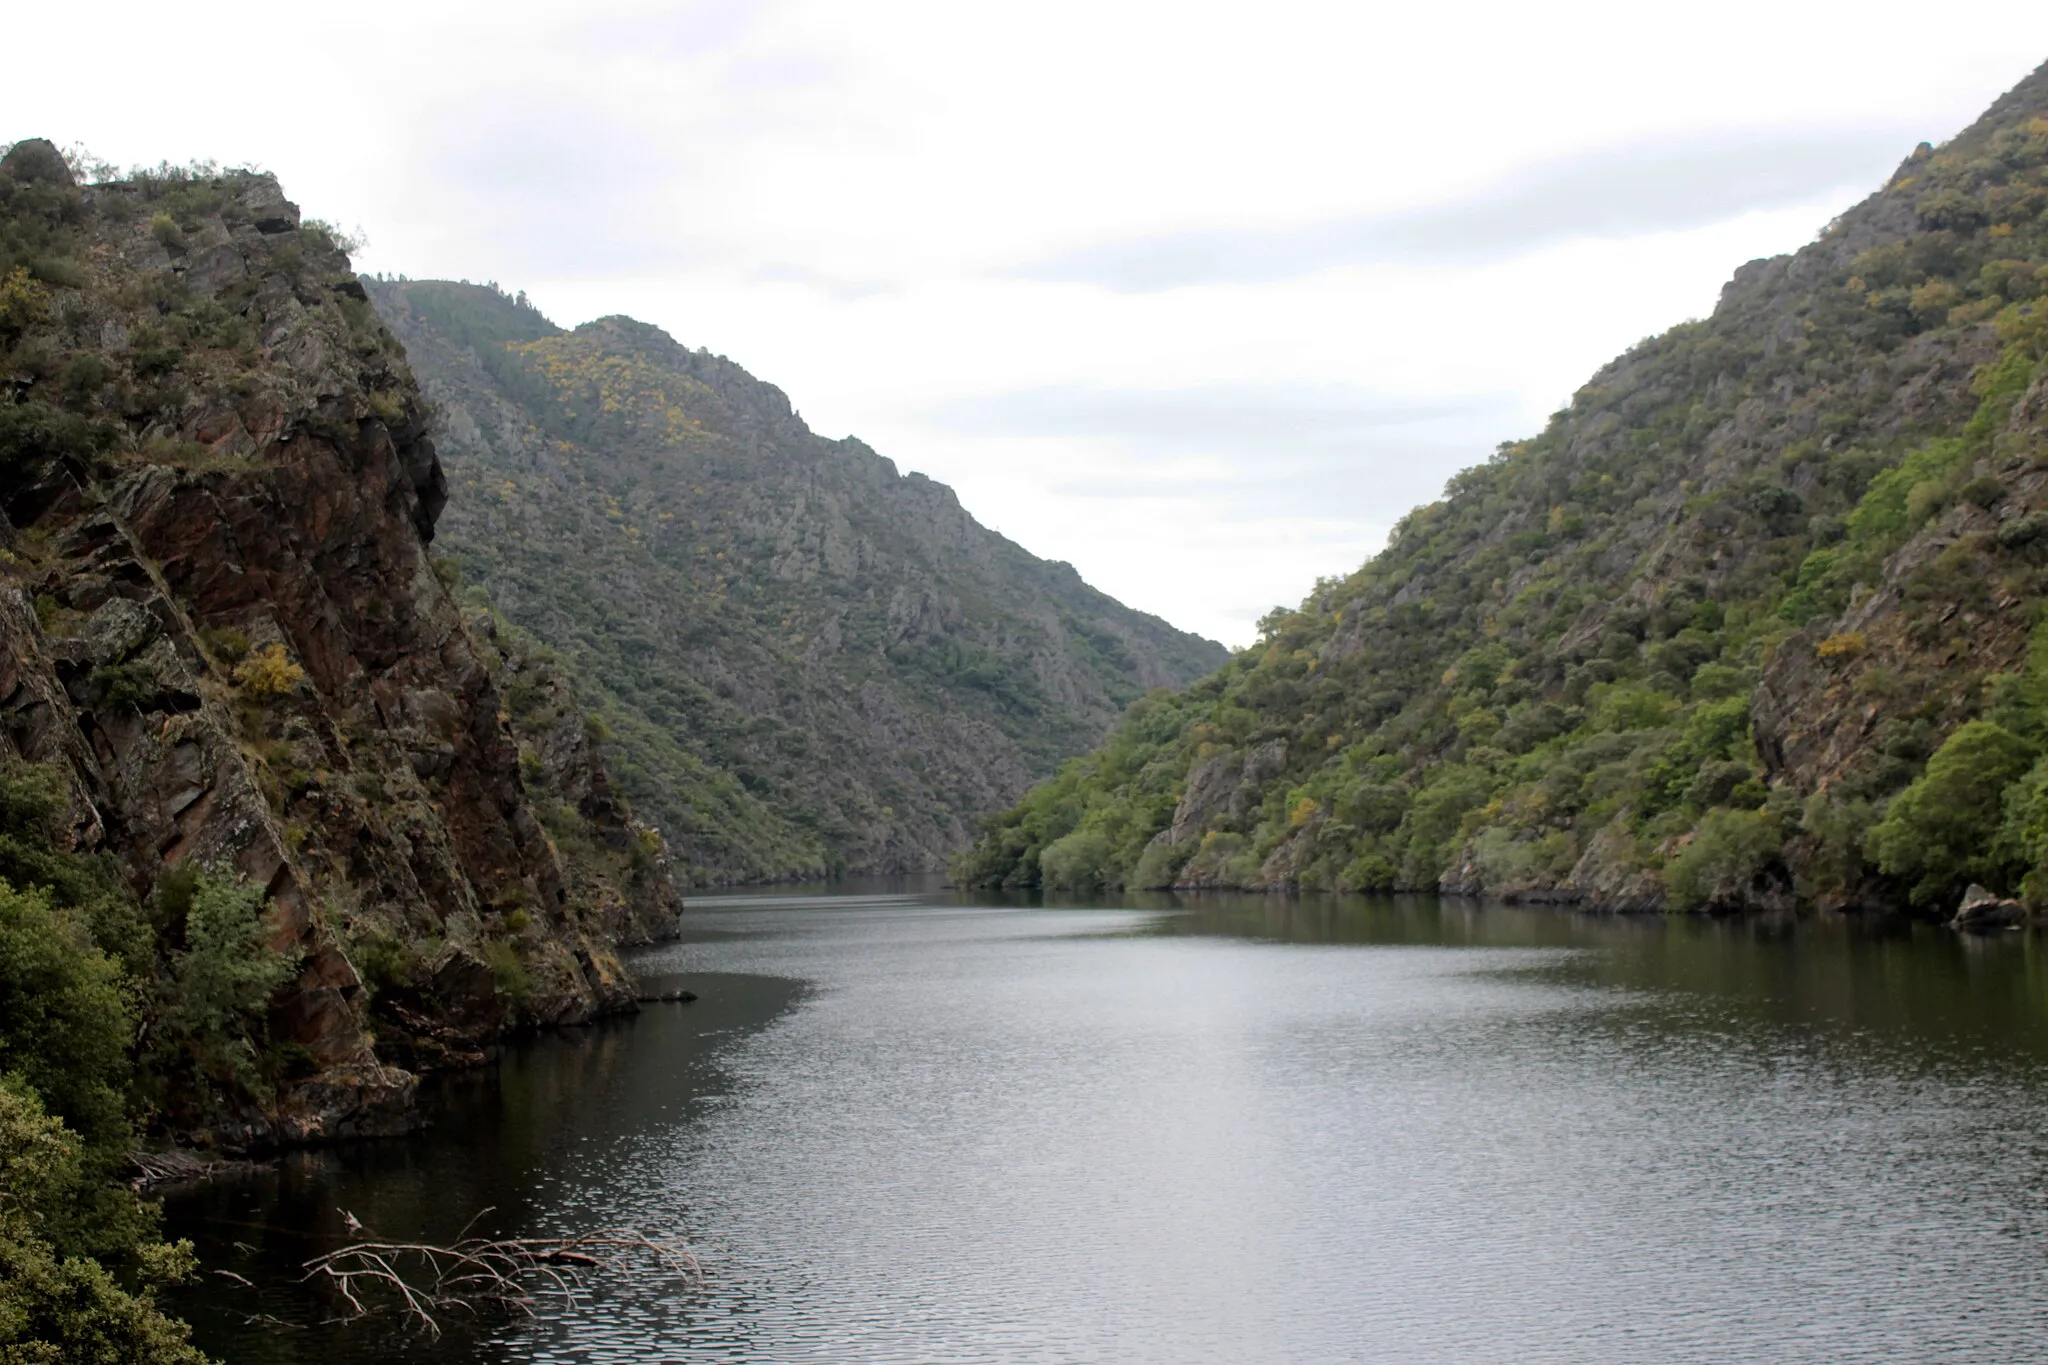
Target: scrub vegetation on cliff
1754,621
280,822
802,661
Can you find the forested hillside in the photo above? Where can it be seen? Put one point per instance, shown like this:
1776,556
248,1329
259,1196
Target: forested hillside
1755,620
802,661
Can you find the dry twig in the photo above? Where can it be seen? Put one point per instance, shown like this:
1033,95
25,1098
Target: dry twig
165,1168
472,1274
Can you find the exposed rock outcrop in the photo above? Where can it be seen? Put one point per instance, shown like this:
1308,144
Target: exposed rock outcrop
219,618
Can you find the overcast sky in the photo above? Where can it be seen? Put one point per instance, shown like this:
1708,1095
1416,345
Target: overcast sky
1198,297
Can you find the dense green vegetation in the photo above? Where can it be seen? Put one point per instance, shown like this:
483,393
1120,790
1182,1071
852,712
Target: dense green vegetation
1729,611
802,661
78,1260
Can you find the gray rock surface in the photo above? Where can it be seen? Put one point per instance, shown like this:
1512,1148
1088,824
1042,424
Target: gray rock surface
1983,910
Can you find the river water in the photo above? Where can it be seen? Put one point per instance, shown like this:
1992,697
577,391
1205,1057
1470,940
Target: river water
901,1126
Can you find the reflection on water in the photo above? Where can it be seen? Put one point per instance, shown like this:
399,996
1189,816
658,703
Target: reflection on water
905,1127
519,1140
1932,989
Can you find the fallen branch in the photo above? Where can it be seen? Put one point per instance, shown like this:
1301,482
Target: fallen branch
175,1167
510,1274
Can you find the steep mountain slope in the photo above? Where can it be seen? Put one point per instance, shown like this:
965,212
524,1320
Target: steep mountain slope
806,661
1749,622
231,679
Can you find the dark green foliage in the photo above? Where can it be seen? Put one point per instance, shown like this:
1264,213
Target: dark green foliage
57,1307
510,974
1076,861
488,323
387,963
34,436
1730,852
212,1001
65,1020
41,214
1698,768
225,643
1938,834
32,802
130,686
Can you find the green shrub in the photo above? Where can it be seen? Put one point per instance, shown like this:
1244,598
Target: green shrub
385,962
1817,589
1371,870
1890,509
23,303
213,1001
131,686
1939,833
1983,491
172,902
508,971
33,434
1719,781
2022,840
49,613
1837,828
225,643
32,804
1375,807
65,1022
1452,790
1075,862
1158,866
1507,862
57,1308
1729,853
1719,682
1213,857
1618,706
1714,733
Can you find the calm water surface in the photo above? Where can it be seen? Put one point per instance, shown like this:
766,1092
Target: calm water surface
903,1127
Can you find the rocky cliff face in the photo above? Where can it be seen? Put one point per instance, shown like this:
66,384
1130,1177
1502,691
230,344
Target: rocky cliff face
808,662
1695,643
220,621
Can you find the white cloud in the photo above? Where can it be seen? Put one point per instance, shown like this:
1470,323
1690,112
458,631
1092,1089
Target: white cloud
1435,202
1628,190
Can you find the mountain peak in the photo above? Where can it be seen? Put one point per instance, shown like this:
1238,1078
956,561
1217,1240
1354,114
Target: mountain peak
809,661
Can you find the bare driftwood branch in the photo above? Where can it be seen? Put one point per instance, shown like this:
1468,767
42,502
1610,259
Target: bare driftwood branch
424,1281
175,1166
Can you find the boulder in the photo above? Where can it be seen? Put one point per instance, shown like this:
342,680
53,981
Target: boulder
1981,910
